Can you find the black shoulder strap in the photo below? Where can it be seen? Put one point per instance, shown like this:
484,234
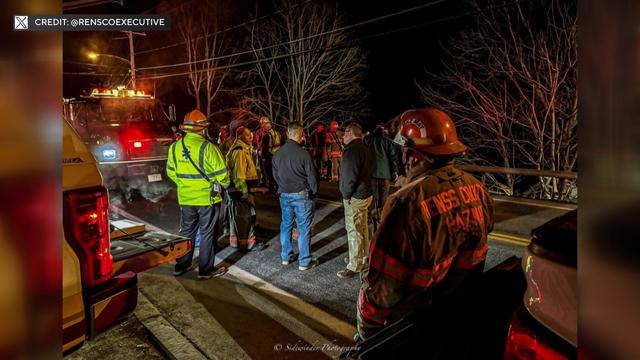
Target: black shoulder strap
188,156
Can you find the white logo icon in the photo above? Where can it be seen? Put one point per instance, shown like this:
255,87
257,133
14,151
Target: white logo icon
20,22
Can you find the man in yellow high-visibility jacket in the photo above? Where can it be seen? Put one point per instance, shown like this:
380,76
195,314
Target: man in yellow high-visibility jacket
198,169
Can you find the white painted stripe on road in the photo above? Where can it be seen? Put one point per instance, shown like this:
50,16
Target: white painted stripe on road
329,202
340,327
338,225
321,213
317,341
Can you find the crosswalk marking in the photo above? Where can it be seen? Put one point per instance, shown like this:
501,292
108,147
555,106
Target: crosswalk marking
341,327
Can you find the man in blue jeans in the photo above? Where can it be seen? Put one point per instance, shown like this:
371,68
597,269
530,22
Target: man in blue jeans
297,180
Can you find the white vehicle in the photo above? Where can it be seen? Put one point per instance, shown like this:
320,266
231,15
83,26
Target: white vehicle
546,325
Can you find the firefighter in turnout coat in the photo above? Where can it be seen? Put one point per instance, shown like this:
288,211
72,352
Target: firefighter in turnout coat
240,209
433,229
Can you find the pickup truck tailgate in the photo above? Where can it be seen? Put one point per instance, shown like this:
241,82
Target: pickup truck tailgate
144,251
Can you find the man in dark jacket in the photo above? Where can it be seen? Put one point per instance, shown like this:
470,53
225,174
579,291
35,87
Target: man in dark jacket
297,181
355,185
386,155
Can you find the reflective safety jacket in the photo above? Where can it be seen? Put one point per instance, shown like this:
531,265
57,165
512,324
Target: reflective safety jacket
436,225
226,145
193,188
241,166
268,142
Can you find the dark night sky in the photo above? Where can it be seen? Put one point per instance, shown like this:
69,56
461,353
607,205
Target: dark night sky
395,60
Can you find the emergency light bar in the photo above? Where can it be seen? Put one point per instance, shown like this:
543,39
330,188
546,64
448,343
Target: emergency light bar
120,92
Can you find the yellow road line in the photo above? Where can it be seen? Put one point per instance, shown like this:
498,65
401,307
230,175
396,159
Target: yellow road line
511,239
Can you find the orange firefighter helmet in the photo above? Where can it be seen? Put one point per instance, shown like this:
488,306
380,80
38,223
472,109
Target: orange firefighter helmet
333,126
430,131
194,121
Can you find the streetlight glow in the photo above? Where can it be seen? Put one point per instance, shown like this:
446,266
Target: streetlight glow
92,55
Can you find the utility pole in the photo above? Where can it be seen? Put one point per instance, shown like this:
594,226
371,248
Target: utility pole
133,59
132,54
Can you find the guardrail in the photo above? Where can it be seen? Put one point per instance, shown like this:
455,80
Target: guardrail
517,171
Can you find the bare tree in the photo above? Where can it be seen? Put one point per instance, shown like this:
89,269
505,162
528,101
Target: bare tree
306,69
198,22
511,87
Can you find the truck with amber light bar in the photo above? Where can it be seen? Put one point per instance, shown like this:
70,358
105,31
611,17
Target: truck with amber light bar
127,131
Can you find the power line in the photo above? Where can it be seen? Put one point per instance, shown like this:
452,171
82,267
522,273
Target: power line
290,42
88,64
352,43
89,73
224,30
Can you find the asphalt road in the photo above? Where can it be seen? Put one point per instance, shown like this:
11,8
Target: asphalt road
263,310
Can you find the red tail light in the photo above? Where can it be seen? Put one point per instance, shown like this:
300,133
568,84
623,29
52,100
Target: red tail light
86,225
522,344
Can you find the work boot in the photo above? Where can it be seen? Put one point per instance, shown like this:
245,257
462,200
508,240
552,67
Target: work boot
292,258
312,264
346,273
213,273
181,272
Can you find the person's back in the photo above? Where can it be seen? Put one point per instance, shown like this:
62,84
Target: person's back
292,171
449,210
244,174
385,154
434,230
241,202
192,190
356,170
297,180
199,171
355,186
386,166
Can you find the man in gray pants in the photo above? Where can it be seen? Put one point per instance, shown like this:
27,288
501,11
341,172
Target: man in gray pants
356,172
